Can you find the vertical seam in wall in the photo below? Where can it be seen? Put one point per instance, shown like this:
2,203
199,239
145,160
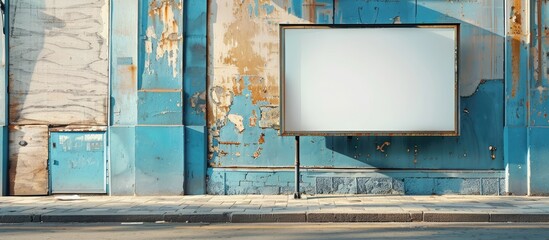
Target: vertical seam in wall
224,182
481,190
356,185
540,44
505,35
206,90
109,115
528,19
528,171
499,186
5,144
415,15
333,10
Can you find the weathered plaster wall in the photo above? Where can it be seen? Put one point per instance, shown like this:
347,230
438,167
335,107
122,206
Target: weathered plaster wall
147,133
280,181
528,105
243,113
243,90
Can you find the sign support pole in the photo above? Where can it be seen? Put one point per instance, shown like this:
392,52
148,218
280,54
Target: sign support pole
297,193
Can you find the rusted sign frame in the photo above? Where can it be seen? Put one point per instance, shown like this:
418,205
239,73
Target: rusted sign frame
284,132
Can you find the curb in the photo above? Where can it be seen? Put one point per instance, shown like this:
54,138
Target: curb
359,217
311,217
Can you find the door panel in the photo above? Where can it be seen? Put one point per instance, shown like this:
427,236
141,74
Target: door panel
77,162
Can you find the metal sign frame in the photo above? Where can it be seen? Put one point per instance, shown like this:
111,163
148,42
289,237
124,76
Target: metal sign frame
284,132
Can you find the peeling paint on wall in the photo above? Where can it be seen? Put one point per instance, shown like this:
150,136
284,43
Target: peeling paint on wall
167,44
198,101
247,46
243,67
516,35
253,119
270,116
238,122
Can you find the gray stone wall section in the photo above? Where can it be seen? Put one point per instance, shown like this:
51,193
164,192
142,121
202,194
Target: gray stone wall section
272,183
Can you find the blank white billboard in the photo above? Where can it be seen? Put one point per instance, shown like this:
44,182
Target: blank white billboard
369,80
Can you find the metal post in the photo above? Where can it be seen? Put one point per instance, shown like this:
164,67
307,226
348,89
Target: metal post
297,194
4,46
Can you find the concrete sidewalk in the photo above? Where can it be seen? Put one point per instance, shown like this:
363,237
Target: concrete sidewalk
275,208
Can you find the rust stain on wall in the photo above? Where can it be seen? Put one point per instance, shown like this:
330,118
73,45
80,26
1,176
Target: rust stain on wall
261,139
257,153
311,5
263,91
546,31
128,85
133,72
515,32
253,119
228,143
238,86
539,48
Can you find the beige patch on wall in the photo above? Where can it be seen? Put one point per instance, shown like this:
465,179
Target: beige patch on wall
58,62
242,44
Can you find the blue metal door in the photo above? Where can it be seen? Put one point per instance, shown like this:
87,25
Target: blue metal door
77,162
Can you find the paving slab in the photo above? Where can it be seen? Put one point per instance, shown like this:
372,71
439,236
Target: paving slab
275,208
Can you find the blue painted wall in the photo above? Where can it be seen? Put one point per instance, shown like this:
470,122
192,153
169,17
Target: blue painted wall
194,95
199,109
243,93
538,99
258,145
147,133
158,58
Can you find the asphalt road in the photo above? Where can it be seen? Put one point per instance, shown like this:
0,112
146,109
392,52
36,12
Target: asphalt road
138,231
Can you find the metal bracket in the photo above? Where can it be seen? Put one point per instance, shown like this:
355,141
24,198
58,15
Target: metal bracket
492,152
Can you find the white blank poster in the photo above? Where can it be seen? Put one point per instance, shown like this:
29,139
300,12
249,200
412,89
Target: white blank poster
360,81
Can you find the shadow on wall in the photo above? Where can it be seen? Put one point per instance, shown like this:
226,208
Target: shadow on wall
29,25
243,87
480,82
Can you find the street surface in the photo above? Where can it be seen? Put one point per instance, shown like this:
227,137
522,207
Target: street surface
165,231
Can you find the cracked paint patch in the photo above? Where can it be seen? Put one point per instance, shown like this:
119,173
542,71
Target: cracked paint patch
270,117
238,122
257,153
198,102
221,101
